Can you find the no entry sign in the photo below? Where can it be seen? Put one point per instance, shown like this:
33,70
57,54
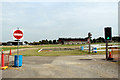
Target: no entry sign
18,34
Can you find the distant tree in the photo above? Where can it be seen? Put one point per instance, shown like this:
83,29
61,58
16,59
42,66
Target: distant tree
30,43
62,42
25,42
91,40
47,42
50,42
44,41
54,41
86,38
35,43
94,40
100,39
40,42
116,39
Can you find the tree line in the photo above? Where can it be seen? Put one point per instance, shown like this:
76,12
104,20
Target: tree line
97,40
102,40
42,42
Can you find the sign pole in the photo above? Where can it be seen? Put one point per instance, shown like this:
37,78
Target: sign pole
18,34
106,49
89,45
89,36
18,52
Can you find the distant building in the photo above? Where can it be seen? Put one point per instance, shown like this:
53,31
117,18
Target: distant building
10,43
4,43
72,41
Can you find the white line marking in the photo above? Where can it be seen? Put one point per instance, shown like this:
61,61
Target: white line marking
40,50
91,57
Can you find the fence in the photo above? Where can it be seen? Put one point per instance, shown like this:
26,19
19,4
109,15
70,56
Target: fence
6,60
110,48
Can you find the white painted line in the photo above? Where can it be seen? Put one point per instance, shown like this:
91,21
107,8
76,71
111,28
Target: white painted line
92,57
40,50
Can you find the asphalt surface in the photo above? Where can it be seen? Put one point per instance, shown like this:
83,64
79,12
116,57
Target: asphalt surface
87,66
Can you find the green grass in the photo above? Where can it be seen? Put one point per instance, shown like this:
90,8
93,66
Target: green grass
37,46
8,48
34,52
57,45
47,45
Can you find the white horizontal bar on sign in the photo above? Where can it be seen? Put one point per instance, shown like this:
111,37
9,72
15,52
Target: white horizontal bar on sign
17,34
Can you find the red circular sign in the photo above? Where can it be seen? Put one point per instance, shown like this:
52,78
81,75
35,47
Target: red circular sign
18,34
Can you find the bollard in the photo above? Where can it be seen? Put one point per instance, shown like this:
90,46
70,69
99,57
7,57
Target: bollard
10,52
2,60
95,50
82,48
3,67
110,56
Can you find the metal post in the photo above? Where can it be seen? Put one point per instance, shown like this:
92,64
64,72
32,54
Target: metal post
89,45
18,53
106,49
89,36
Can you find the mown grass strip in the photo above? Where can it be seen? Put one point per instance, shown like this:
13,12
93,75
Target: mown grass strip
34,52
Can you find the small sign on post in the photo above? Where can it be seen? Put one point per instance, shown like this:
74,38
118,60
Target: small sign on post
89,36
18,34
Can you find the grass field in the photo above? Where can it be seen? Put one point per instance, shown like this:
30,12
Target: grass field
34,52
5,48
47,46
38,46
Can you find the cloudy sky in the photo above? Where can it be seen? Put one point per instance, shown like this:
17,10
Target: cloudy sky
53,20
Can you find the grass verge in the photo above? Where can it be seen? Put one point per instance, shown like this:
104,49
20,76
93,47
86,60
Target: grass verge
34,52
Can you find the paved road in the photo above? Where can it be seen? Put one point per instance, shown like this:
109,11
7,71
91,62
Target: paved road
88,66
